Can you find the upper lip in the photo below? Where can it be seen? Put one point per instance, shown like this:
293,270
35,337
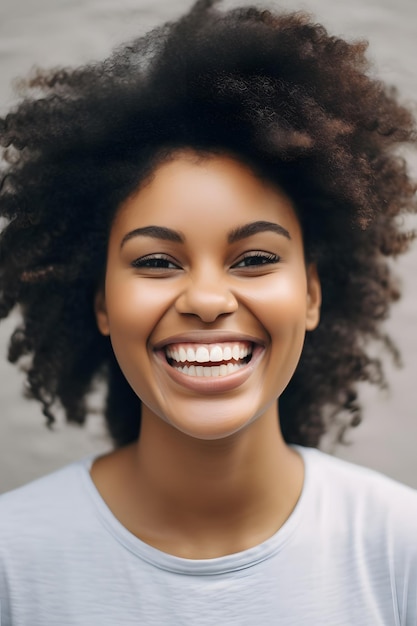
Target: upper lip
205,337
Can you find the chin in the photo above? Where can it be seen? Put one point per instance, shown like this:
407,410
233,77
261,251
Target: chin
208,420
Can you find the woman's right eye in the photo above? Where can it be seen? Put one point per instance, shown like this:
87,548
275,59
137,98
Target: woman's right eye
155,261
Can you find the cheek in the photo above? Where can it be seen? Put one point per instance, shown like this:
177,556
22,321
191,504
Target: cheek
134,306
279,301
132,310
281,310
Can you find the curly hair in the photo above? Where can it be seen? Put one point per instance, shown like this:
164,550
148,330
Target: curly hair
274,90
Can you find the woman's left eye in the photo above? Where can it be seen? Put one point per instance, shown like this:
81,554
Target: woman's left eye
256,259
155,261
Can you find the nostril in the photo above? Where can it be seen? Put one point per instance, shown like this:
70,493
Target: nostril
206,301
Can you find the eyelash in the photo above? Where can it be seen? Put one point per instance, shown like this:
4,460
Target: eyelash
162,262
263,257
155,261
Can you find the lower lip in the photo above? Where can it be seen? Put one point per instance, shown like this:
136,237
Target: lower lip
212,385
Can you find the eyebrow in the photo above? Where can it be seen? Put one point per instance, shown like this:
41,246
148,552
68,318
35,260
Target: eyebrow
156,232
242,232
237,234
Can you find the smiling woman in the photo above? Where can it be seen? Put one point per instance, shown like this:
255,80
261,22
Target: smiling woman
207,256
202,223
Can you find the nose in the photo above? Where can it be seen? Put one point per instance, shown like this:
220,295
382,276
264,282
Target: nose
207,298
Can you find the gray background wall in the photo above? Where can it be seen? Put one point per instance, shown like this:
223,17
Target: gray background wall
70,32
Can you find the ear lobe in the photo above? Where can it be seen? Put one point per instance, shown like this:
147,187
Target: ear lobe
101,313
313,298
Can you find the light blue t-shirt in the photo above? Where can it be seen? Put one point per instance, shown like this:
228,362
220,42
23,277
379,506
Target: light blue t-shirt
347,556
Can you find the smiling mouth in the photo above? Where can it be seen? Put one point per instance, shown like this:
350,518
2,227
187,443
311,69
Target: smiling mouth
209,360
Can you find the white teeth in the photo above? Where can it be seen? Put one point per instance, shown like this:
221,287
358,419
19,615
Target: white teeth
202,355
216,354
216,371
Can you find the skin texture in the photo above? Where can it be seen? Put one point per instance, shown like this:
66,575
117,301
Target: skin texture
211,466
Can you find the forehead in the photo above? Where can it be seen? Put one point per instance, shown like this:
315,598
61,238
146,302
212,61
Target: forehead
211,191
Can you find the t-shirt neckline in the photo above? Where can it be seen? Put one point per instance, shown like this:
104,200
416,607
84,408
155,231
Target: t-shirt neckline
203,567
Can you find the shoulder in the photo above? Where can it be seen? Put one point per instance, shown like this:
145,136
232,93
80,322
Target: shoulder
372,520
363,523
375,511
348,474
353,485
46,503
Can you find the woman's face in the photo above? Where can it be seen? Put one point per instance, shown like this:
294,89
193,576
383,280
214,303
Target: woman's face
207,297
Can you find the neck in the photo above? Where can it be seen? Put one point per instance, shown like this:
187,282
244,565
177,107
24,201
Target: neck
198,498
201,475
